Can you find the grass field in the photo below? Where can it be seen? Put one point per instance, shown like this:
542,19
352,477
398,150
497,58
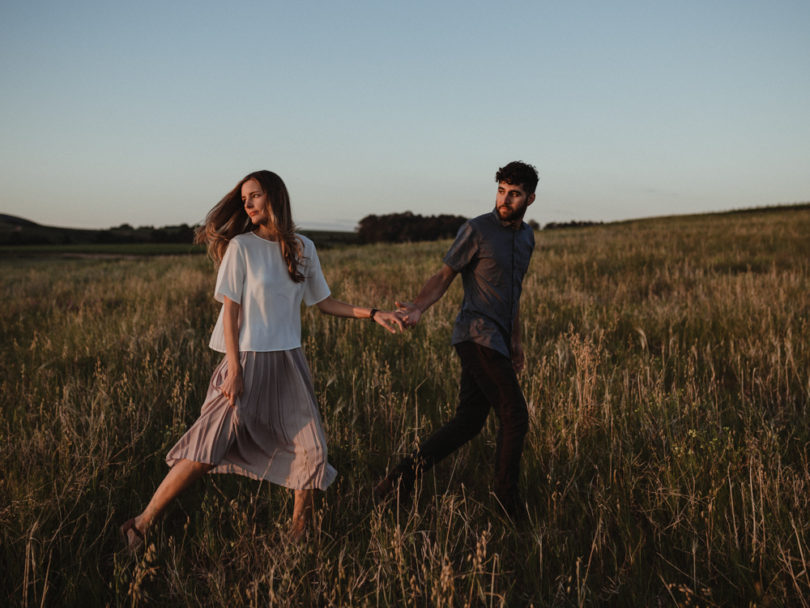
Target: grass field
667,462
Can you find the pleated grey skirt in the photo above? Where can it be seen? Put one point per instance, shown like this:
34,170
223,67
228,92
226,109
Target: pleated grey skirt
274,431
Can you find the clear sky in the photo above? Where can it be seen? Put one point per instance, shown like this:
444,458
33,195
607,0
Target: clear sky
148,112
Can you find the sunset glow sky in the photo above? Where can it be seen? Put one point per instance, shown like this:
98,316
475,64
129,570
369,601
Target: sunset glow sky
148,112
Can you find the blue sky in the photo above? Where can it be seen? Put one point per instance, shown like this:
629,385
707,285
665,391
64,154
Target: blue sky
148,112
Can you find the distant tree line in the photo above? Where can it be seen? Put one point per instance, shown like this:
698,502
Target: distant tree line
572,224
17,231
148,234
407,227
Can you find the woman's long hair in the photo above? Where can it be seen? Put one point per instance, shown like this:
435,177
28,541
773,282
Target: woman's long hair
229,218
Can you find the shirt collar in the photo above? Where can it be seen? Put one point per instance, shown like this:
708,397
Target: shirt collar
497,220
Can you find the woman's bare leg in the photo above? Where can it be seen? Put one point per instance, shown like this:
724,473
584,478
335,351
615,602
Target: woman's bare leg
302,513
180,476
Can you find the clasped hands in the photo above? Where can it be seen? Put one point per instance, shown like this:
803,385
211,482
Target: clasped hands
406,316
409,313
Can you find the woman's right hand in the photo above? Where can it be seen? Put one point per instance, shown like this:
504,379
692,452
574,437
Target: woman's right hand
232,386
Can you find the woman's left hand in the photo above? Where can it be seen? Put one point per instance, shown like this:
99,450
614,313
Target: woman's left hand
389,320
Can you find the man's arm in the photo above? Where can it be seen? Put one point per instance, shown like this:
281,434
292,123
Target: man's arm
431,291
518,357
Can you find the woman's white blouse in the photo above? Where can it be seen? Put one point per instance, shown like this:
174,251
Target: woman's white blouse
253,274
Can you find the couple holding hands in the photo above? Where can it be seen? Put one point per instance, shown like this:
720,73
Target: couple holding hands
260,417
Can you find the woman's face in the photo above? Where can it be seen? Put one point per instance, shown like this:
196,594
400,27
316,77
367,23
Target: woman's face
255,201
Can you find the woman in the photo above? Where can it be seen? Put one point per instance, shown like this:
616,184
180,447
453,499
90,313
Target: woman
260,417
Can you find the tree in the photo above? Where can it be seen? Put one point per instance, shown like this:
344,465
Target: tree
407,227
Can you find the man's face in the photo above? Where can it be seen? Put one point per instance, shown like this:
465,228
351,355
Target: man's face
511,202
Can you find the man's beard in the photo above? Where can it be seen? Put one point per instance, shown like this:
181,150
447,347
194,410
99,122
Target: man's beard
512,214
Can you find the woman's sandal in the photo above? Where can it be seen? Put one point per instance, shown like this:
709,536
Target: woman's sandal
134,540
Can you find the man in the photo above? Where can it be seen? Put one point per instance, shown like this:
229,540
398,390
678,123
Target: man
492,253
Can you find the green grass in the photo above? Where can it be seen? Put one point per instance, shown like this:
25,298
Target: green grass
667,464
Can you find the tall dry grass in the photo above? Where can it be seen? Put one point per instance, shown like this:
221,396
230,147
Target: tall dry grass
667,463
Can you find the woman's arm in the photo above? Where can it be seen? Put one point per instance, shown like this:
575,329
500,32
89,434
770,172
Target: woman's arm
336,308
232,386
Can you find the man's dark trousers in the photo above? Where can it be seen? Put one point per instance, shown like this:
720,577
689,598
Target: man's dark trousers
488,380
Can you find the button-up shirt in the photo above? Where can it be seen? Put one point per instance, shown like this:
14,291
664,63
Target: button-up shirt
492,259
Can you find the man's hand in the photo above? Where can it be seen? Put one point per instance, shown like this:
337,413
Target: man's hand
409,313
518,358
431,291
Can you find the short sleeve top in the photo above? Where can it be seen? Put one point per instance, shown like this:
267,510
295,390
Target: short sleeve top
253,274
492,259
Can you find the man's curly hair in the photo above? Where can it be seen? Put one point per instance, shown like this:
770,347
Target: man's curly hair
520,174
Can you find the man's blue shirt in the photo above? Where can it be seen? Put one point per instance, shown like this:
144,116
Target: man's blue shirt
492,259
